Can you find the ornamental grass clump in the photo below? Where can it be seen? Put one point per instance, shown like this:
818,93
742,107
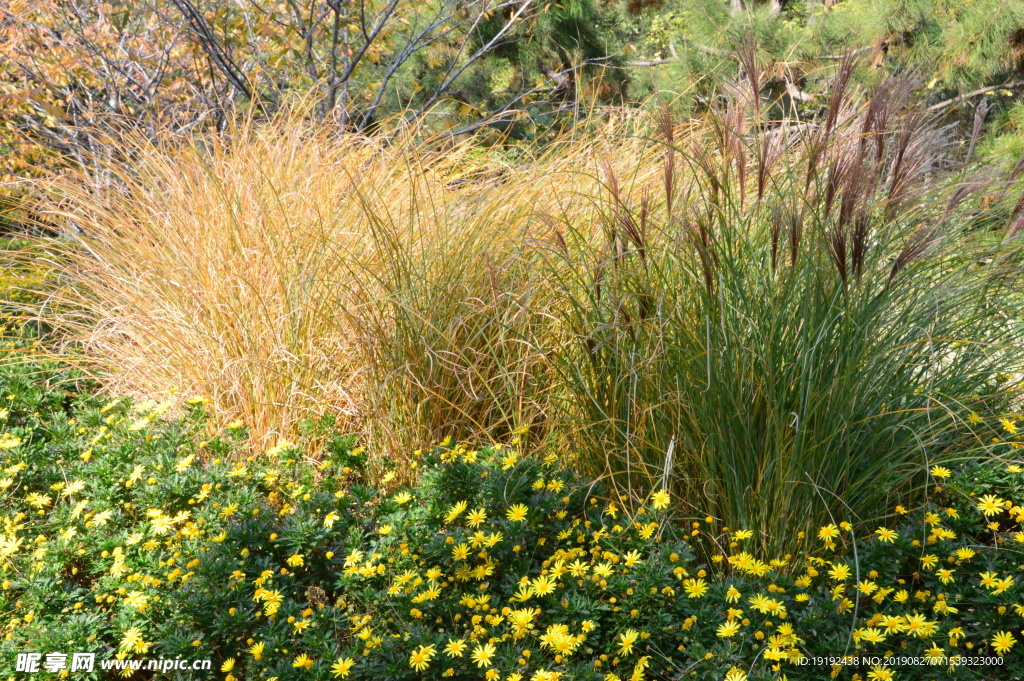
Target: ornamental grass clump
282,270
795,319
779,321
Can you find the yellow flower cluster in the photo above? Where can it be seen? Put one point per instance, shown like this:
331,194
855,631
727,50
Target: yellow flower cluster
535,586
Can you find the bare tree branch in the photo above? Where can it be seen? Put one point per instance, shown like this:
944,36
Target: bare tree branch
485,49
1012,85
214,50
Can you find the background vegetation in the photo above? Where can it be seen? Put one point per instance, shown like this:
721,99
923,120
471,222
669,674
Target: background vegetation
70,70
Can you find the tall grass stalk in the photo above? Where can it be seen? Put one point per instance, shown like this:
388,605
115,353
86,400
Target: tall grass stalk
805,316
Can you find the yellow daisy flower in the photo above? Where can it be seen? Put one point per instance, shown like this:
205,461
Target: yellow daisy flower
343,667
626,641
660,500
482,655
517,513
1003,641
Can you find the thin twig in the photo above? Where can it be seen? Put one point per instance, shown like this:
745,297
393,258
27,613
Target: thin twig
1013,85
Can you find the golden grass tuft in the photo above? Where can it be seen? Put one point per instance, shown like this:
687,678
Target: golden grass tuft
286,272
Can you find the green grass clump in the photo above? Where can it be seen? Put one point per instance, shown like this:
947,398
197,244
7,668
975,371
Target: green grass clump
127,536
794,323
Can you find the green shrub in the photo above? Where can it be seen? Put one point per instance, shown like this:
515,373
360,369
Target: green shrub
127,536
